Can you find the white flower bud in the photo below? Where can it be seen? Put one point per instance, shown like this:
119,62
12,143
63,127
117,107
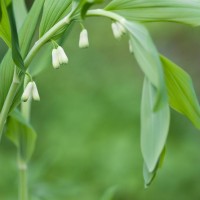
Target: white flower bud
55,59
83,40
35,93
27,92
62,56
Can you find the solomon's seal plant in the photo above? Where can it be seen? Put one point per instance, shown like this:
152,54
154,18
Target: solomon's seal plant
165,86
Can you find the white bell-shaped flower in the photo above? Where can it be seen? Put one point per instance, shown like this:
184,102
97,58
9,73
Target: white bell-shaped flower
118,29
59,57
55,59
27,94
121,28
83,40
62,55
35,93
30,91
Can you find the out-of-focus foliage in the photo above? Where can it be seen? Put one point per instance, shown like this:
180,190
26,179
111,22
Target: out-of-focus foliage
88,125
89,140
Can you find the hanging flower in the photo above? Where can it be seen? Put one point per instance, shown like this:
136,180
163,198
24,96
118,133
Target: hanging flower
27,94
83,40
59,57
55,59
118,29
30,91
35,93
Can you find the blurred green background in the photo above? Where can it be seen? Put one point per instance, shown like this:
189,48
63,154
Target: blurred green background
88,123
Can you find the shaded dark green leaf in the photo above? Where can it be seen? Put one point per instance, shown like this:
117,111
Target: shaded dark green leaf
16,55
86,4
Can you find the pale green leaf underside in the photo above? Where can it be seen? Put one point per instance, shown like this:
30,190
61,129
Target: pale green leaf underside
182,97
147,56
183,11
149,176
154,126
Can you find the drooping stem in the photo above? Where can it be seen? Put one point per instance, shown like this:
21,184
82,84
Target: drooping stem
105,13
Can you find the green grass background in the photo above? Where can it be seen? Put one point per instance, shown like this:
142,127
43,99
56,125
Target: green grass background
88,124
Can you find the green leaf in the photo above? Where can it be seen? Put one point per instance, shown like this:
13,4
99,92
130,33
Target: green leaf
25,38
154,126
148,58
21,133
16,55
5,32
182,97
53,11
149,176
8,2
20,12
186,11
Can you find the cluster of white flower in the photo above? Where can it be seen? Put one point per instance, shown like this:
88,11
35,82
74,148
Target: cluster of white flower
59,57
30,91
118,29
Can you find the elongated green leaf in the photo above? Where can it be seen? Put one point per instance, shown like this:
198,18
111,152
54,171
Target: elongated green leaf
148,58
183,11
20,12
52,13
181,92
5,32
16,55
21,133
8,2
149,176
154,126
25,38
